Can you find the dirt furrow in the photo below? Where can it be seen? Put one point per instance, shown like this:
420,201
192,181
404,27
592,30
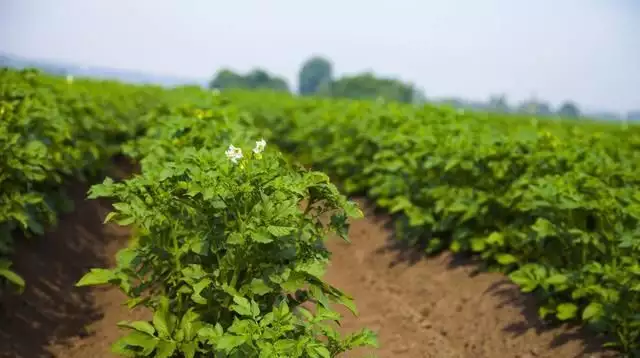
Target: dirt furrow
420,307
451,308
53,318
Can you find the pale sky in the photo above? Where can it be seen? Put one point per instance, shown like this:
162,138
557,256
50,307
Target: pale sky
584,50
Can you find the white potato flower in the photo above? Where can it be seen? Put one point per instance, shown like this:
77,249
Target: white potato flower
234,154
260,145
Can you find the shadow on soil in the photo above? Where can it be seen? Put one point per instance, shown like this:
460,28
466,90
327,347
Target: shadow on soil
507,294
52,310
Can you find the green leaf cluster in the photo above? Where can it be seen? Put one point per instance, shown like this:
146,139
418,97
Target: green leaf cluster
554,204
228,256
52,132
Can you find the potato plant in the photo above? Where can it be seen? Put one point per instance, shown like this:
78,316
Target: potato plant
229,248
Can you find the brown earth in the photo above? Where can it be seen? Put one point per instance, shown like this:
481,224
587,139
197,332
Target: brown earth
442,306
53,318
438,307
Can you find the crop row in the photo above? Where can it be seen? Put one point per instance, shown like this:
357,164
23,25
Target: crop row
221,238
228,252
554,204
52,132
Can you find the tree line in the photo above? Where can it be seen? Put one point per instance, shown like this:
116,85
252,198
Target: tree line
316,78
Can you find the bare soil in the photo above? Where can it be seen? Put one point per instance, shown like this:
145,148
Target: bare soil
437,307
440,306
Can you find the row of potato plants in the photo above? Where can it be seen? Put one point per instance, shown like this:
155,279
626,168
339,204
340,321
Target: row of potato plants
228,249
554,204
53,131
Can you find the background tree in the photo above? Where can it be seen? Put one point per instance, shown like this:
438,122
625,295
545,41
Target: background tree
498,103
367,86
535,107
226,78
259,78
569,110
256,79
315,75
419,97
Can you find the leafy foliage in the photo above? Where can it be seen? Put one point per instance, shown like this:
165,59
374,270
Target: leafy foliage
225,256
554,204
229,248
256,79
315,75
51,131
569,110
368,86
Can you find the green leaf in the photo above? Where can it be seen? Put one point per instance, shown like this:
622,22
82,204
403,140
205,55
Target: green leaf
301,310
280,230
543,227
189,349
364,338
162,319
593,311
10,275
294,281
495,238
101,190
242,306
96,276
451,163
189,324
478,244
523,280
125,221
141,326
313,268
285,345
259,287
566,311
352,209
544,311
125,257
211,333
139,339
197,290
557,279
255,309
134,302
235,238
348,302
121,348
318,351
216,204
110,217
267,319
261,236
317,293
228,342
505,259
324,312
165,349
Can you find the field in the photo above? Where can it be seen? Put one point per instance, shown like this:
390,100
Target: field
186,223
